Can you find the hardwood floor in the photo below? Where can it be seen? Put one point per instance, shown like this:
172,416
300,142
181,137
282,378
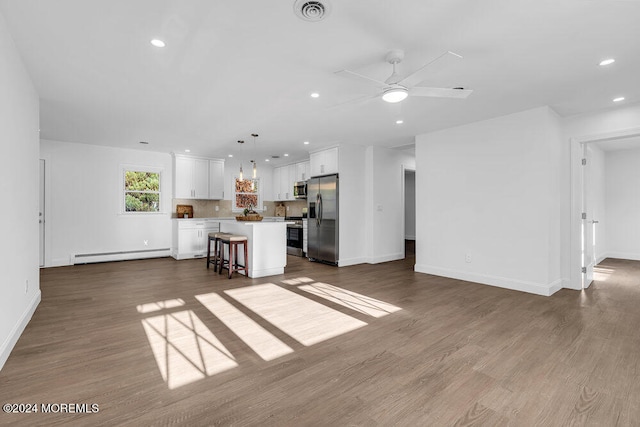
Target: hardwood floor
456,353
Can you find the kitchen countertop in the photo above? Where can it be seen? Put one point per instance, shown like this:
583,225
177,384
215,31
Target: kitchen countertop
228,218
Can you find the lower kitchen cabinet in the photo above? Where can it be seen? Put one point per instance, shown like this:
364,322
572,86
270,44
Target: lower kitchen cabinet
191,237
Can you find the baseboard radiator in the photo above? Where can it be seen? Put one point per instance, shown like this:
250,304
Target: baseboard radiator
119,256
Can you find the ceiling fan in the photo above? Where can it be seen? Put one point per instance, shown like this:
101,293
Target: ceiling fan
396,88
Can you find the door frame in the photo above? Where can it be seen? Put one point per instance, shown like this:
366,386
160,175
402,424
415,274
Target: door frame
577,147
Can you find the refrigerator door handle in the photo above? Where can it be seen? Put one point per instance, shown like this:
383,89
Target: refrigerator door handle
319,209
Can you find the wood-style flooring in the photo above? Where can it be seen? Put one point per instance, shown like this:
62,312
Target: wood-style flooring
456,353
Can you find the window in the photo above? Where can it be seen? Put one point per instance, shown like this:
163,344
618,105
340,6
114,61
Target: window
247,194
141,191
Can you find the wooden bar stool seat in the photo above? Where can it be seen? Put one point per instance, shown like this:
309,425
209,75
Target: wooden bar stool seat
231,264
215,237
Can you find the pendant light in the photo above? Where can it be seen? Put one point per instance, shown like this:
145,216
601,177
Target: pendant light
241,173
255,167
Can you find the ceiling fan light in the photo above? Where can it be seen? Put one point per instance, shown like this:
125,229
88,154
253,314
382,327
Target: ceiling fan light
395,95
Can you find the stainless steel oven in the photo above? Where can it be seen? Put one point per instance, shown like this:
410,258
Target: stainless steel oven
295,236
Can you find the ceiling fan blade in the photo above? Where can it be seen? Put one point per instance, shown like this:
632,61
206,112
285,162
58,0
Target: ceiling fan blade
446,54
360,77
355,101
439,92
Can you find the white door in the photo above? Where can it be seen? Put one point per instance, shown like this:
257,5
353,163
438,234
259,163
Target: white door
588,221
41,215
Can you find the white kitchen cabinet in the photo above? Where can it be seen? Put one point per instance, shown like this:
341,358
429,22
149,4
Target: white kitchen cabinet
192,178
324,162
287,177
191,237
216,179
302,171
276,184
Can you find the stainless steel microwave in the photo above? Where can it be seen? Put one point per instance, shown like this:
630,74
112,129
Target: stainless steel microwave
300,189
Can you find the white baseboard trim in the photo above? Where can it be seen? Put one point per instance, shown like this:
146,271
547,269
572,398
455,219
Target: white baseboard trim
386,258
501,282
623,255
351,261
18,328
120,256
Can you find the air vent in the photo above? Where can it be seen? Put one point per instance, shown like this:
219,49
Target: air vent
312,10
275,157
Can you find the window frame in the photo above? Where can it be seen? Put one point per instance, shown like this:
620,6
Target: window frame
123,191
259,207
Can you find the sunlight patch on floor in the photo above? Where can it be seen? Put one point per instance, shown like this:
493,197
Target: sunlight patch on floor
160,305
264,343
352,300
601,273
297,281
185,349
306,321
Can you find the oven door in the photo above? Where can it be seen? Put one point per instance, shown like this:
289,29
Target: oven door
294,239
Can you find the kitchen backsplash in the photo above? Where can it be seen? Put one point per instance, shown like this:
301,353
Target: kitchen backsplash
207,208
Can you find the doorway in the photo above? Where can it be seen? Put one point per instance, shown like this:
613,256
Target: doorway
588,201
409,212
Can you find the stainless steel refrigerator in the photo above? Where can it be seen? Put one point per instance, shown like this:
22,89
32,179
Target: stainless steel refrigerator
322,231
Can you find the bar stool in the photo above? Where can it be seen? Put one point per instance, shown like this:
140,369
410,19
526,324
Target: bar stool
215,237
233,240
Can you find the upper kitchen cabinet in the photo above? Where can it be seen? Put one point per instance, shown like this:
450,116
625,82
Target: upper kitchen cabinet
216,179
302,171
197,178
324,162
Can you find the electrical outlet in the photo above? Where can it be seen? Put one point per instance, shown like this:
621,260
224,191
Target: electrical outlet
146,243
467,258
217,208
287,208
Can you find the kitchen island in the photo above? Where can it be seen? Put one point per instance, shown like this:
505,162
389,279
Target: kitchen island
267,242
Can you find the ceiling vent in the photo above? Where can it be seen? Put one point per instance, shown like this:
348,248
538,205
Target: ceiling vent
312,10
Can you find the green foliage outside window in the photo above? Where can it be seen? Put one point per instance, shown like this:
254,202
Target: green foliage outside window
142,191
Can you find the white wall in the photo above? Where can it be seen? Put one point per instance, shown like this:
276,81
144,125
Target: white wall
622,198
84,202
19,184
352,205
410,205
490,192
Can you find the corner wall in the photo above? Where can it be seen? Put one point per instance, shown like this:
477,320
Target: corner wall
19,185
489,199
84,202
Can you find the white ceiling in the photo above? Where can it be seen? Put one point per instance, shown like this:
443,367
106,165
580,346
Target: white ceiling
232,68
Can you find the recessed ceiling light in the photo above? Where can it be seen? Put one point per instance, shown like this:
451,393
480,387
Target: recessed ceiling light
286,154
618,99
230,155
607,61
306,143
158,43
315,95
266,160
187,151
399,122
